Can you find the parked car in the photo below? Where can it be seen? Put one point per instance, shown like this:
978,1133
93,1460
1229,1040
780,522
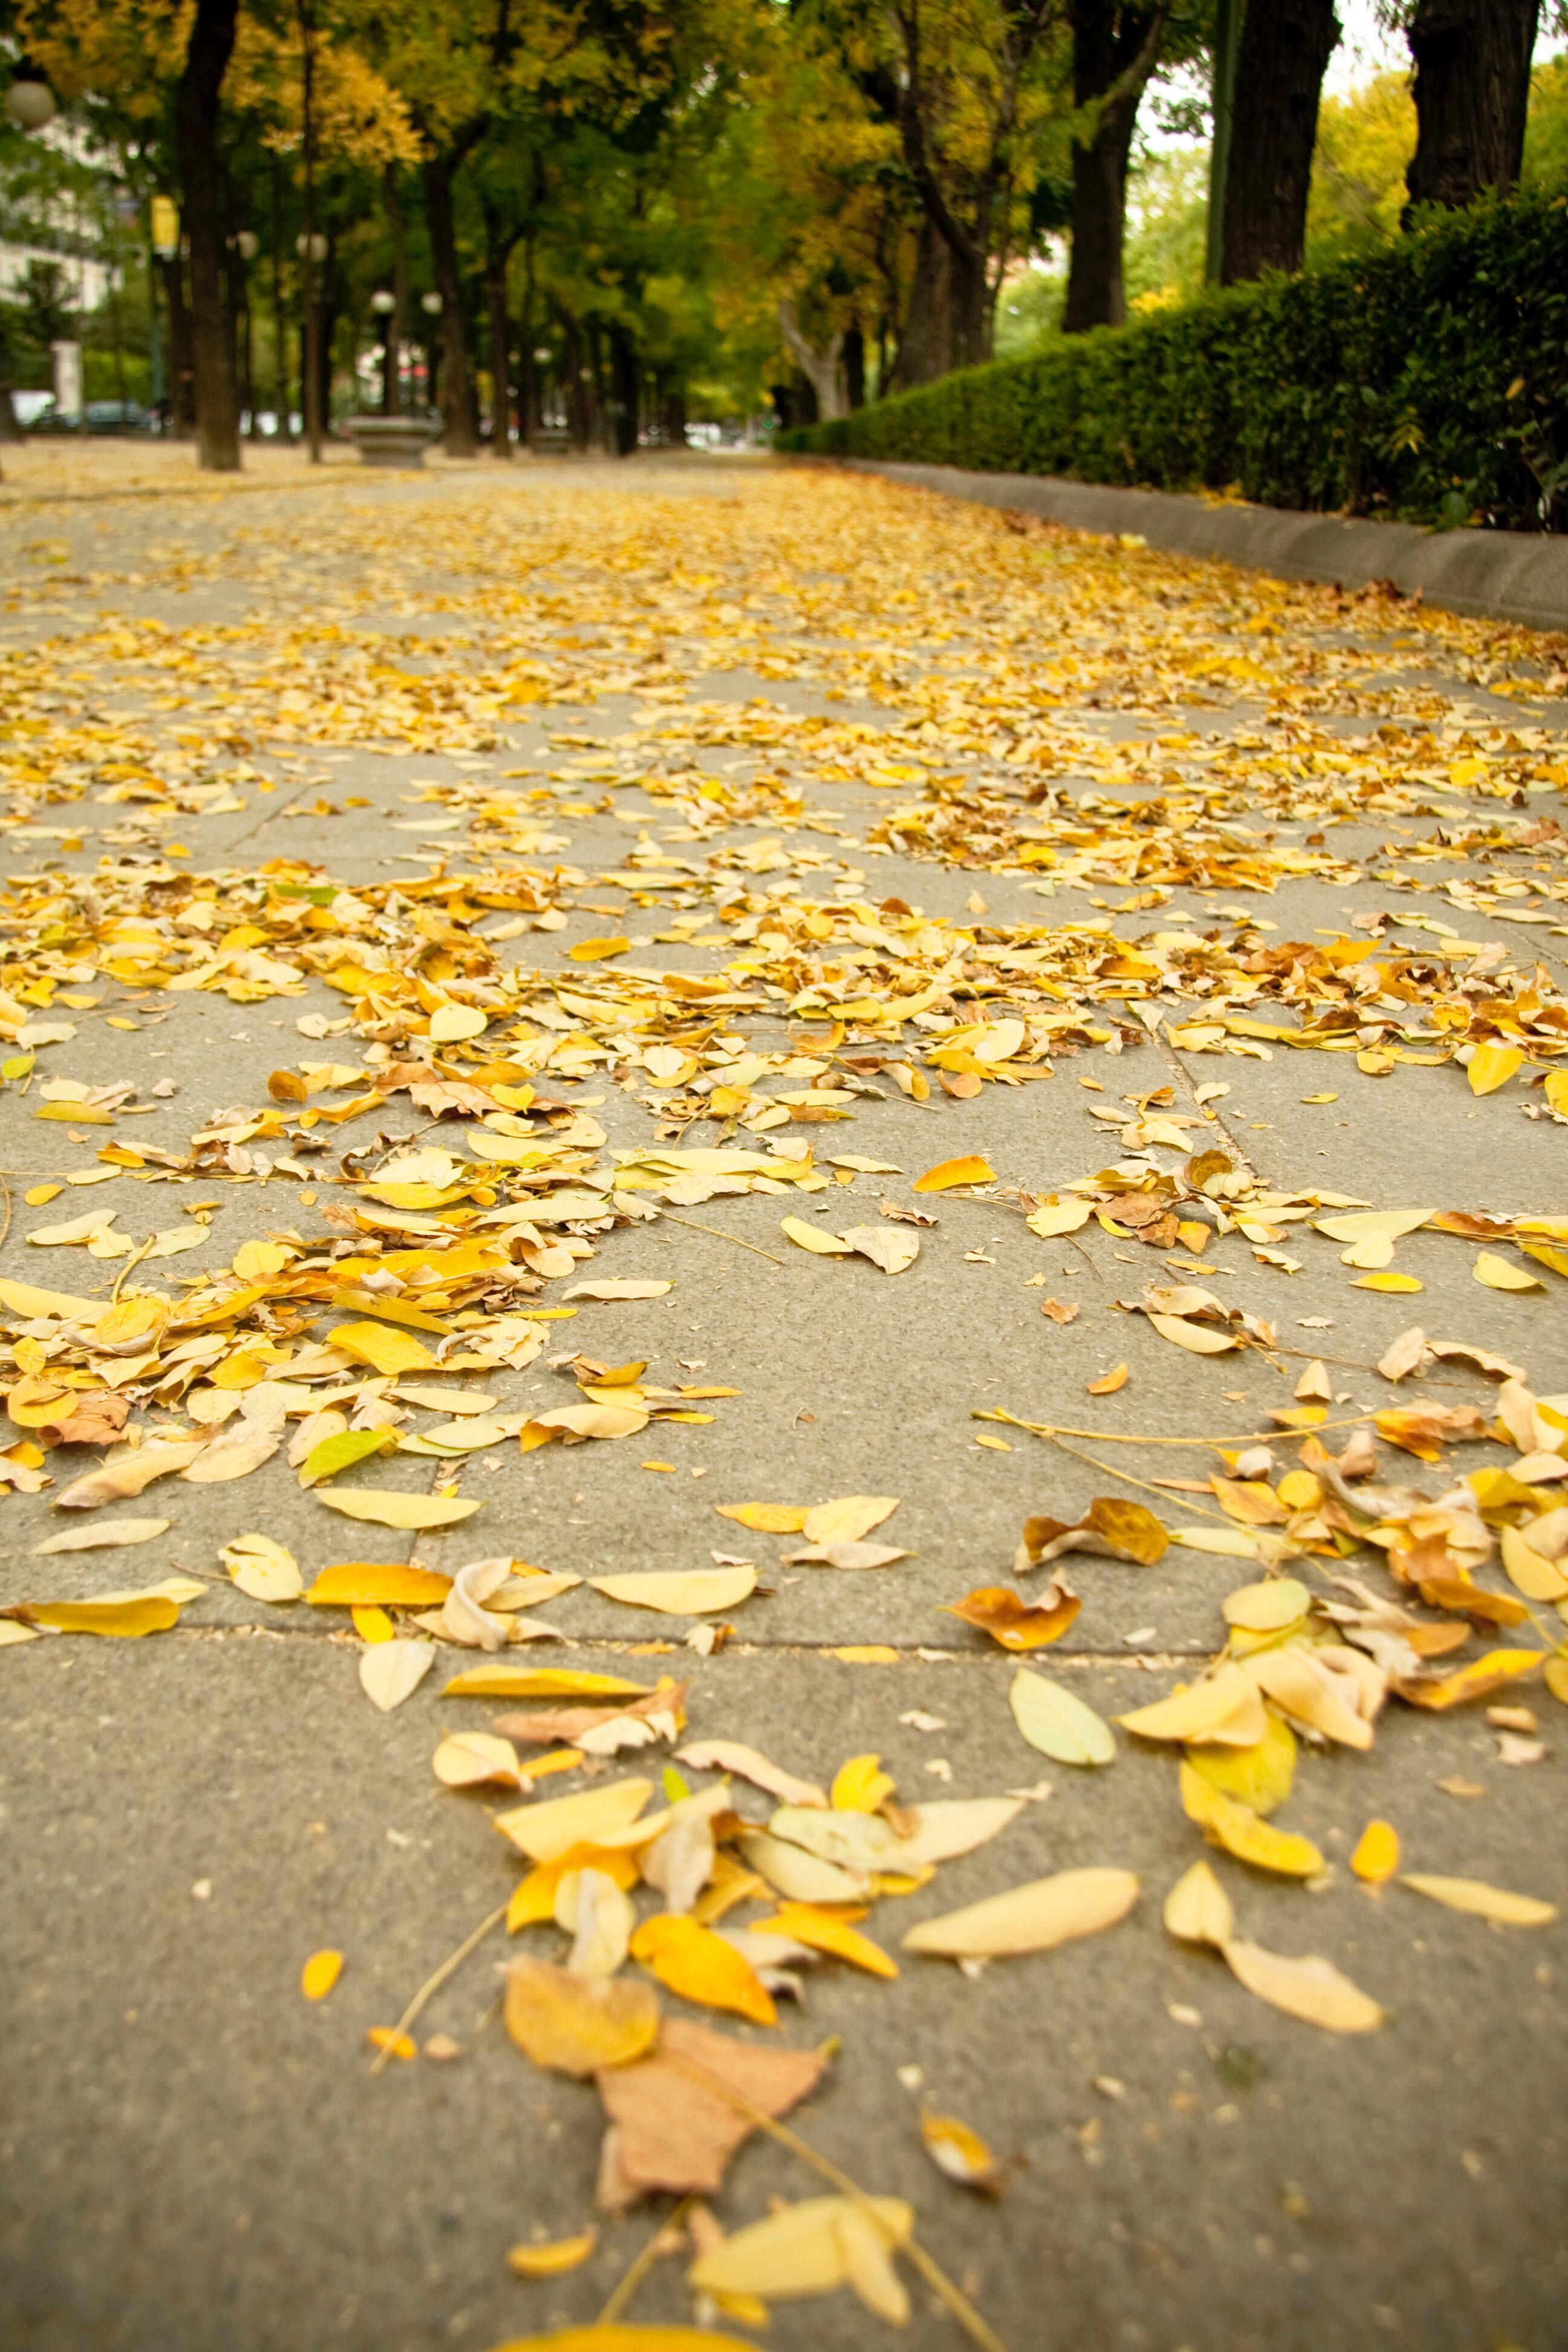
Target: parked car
118,416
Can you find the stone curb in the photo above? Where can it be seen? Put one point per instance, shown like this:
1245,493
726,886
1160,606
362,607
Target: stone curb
1500,575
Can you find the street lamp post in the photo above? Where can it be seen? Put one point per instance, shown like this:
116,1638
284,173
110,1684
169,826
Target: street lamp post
431,305
384,302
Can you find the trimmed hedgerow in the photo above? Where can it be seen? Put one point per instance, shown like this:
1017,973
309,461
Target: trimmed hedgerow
1427,381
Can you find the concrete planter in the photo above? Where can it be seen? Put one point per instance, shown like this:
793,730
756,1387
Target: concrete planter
392,440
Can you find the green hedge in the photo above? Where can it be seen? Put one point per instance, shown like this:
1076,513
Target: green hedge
1427,381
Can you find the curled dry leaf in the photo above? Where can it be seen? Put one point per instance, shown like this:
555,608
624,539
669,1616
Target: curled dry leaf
1225,1706
829,1932
801,1877
1017,1623
1240,1832
574,2024
1114,1530
473,1759
390,1672
960,2154
948,1173
1473,1894
750,1764
1197,1908
846,1555
1107,1382
263,1570
810,2249
126,1474
610,1290
1058,1723
691,1960
893,1252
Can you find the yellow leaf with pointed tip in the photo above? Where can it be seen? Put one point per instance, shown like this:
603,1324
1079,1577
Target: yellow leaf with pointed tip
552,2260
1058,1723
1389,1281
621,2335
860,1786
357,1584
124,1619
1491,1066
385,1506
541,1682
1485,1901
390,1672
1198,1338
689,1592
384,1349
319,1974
1226,1708
598,950
594,1817
576,2024
1053,1218
1032,1919
1312,1990
372,1624
766,1518
468,1760
848,1519
1197,1908
827,1931
1377,1855
1259,1777
797,2250
1268,1606
813,1238
1501,1274
1242,1832
948,1173
698,1964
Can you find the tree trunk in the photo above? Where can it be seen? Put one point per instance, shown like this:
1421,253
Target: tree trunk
329,310
1472,88
625,391
457,381
672,415
211,330
497,253
597,400
1286,46
527,405
181,366
579,416
925,347
1114,48
854,367
821,370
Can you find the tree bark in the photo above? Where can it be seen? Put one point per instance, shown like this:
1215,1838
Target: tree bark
528,389
211,332
579,407
181,363
457,377
854,367
821,370
1286,46
1114,49
1472,90
329,310
925,347
498,253
626,390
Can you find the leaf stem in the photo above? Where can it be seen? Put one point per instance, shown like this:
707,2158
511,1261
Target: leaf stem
433,1983
633,2277
698,1227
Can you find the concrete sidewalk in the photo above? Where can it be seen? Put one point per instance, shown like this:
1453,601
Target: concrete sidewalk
191,2155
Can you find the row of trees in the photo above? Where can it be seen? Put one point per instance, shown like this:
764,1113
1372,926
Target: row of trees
634,197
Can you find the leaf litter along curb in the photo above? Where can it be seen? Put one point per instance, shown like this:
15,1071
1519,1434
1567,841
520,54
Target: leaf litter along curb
437,1250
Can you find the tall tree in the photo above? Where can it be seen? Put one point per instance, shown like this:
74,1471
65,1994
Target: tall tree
1472,91
1115,49
1286,46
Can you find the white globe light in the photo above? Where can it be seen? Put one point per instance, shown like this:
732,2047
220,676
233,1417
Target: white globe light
312,247
543,359
382,303
432,303
246,244
30,103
